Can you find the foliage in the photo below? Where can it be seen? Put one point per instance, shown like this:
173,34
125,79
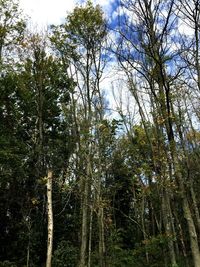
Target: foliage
155,247
7,264
86,26
65,255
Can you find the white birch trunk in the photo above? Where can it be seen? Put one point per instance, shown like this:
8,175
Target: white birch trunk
50,219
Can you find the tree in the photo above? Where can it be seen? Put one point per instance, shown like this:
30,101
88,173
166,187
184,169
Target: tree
35,133
12,26
84,31
148,45
43,77
50,219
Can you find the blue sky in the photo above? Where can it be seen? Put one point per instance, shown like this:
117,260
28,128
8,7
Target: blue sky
44,12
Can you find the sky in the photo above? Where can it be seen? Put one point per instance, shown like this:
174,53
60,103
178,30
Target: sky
43,12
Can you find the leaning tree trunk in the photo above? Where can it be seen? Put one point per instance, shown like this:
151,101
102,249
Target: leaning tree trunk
192,233
50,219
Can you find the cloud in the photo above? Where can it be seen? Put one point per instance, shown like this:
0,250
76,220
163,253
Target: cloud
185,29
43,12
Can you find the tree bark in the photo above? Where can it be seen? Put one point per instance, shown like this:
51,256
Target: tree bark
84,227
192,233
90,237
101,236
50,219
167,219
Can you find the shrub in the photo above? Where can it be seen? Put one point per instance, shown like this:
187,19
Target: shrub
65,255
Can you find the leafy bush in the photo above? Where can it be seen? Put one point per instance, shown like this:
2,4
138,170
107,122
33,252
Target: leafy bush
116,255
65,255
7,264
155,248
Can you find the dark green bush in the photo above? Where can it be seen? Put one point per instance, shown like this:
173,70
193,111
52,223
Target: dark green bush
7,264
65,255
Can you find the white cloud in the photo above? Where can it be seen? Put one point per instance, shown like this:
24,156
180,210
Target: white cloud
43,12
185,29
104,3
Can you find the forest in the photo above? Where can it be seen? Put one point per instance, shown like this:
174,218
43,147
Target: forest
99,136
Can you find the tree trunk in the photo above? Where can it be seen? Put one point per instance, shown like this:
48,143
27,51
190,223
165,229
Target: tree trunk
196,209
90,237
101,236
84,227
50,219
192,233
167,219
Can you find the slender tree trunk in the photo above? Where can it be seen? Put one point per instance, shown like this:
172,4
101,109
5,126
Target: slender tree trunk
84,232
168,228
145,236
181,238
90,237
192,233
99,204
28,252
84,226
50,219
101,236
196,209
